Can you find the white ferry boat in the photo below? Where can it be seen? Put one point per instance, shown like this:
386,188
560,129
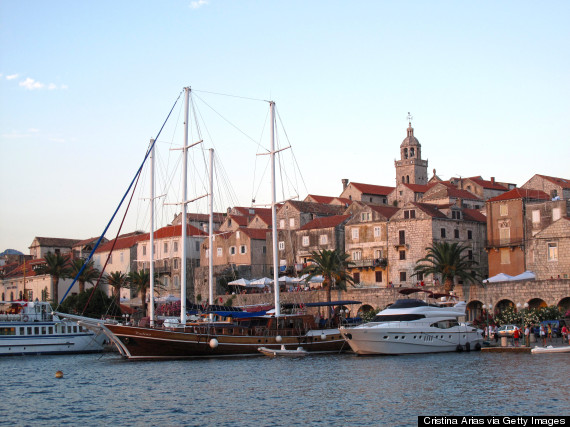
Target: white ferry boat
31,328
413,326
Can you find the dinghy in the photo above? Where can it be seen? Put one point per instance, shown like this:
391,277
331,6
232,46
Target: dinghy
271,352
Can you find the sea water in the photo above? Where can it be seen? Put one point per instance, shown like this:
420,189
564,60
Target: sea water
322,390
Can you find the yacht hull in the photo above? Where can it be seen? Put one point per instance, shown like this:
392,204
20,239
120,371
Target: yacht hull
150,343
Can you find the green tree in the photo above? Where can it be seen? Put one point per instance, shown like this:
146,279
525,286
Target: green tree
116,280
57,266
332,266
140,283
99,304
448,261
89,274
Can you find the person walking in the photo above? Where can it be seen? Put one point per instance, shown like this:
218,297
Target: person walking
542,333
564,332
516,336
527,335
549,332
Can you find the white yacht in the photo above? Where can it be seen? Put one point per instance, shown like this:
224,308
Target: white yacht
413,326
31,328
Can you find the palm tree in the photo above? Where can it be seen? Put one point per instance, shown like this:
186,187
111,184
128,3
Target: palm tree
448,261
88,275
140,282
117,280
57,266
332,266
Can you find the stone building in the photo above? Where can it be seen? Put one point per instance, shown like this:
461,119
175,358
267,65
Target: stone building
356,191
411,168
417,225
554,187
42,245
548,255
325,233
200,221
482,188
444,193
506,244
329,200
366,241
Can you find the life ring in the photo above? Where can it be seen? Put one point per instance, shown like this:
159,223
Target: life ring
25,318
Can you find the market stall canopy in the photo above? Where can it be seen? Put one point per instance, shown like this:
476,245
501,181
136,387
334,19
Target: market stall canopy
527,275
501,277
239,282
264,281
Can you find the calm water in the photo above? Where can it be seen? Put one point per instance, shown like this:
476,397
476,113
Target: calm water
326,390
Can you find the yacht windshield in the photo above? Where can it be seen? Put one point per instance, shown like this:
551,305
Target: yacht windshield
397,317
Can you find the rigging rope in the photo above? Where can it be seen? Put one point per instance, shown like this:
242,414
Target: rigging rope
119,206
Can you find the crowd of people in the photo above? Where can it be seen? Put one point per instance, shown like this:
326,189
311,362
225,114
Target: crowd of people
543,333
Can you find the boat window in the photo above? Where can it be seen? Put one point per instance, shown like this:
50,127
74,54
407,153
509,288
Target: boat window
398,317
43,330
29,330
408,303
22,331
75,329
445,324
7,331
50,330
36,330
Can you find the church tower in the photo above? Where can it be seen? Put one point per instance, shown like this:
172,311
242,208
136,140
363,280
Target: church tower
411,169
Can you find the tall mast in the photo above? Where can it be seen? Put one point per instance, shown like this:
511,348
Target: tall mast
184,201
151,299
211,231
274,213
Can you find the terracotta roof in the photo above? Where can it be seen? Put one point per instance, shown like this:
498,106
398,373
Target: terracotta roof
176,230
87,241
321,199
562,182
456,192
56,241
123,242
29,264
217,216
489,185
521,193
239,220
473,215
264,216
420,188
255,233
317,208
386,211
378,190
325,222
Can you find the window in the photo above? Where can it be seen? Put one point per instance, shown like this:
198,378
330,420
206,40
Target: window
264,250
305,240
237,234
356,277
402,276
402,237
552,254
378,276
281,223
365,216
175,246
242,249
323,239
232,250
377,232
176,281
402,255
455,215
356,255
504,235
420,276
410,214
281,246
355,234
536,216
220,252
504,209
291,222
378,253
469,234
456,233
165,247
470,254
443,233
505,255
175,263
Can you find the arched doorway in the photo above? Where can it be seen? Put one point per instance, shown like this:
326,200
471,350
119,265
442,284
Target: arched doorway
364,309
564,306
474,311
536,303
503,304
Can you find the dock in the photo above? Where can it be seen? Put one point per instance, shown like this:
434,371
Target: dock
521,349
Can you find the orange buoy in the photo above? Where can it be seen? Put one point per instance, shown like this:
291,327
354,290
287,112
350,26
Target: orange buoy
59,374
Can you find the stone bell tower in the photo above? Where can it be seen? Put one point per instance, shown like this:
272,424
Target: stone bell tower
411,169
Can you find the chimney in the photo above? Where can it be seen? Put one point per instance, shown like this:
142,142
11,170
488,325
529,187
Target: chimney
344,184
492,180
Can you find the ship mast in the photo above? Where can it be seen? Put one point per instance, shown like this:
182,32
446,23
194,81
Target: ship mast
274,213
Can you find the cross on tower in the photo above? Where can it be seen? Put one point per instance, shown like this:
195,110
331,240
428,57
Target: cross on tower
410,117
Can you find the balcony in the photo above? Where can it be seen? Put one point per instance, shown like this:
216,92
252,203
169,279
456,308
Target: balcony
369,263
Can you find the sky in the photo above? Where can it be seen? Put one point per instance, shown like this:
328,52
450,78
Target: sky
84,86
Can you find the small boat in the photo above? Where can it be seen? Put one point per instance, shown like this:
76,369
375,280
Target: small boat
550,349
31,328
272,352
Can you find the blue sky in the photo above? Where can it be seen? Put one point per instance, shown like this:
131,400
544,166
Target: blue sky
85,85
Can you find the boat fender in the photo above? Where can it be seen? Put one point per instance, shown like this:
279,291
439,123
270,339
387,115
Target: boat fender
467,346
278,338
25,318
459,348
213,343
478,347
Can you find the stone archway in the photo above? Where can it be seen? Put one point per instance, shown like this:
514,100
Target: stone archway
474,311
364,309
503,304
564,306
536,303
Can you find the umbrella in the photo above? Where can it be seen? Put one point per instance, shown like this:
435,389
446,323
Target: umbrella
168,298
263,281
286,279
316,279
239,282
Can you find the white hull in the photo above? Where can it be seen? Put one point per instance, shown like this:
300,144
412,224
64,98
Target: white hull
410,342
27,338
550,349
298,352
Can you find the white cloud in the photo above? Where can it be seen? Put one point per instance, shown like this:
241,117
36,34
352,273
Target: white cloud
31,84
198,3
12,77
64,87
